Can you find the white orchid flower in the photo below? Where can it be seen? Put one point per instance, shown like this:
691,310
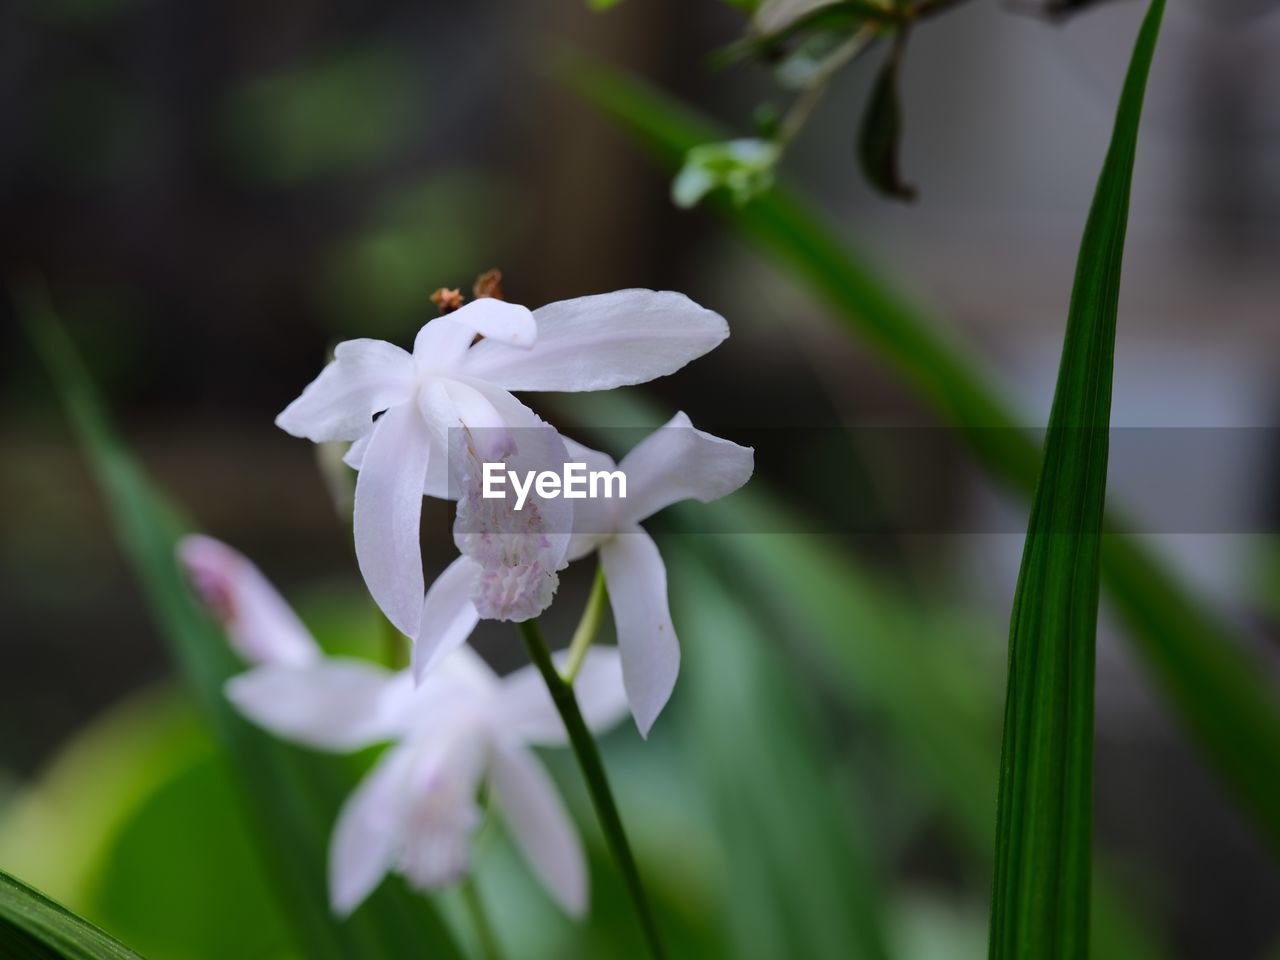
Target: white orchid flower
464,728
591,343
676,462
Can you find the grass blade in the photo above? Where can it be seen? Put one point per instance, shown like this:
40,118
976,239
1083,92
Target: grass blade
33,927
1211,686
292,796
1044,825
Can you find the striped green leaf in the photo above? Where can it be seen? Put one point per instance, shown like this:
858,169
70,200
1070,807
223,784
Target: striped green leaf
1040,900
1197,662
33,927
292,796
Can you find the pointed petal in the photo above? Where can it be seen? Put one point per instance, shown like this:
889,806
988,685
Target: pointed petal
365,376
526,713
368,832
260,625
387,511
540,826
679,462
601,342
334,704
437,484
637,581
448,615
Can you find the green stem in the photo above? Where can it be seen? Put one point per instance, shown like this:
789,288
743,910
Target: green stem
588,755
588,626
488,941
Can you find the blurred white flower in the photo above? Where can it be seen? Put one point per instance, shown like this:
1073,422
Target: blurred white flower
591,343
676,462
463,728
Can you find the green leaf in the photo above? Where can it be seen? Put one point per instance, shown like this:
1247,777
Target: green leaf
1040,900
1215,690
292,796
756,746
33,927
881,130
744,168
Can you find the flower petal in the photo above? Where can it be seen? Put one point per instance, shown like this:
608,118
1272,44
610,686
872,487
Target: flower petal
637,581
335,704
526,713
441,344
388,506
368,833
601,342
366,376
679,462
448,615
594,518
540,826
260,625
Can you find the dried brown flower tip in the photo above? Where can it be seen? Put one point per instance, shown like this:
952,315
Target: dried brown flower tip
489,284
447,300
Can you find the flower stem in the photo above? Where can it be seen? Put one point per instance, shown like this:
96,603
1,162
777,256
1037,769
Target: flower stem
588,755
489,948
587,628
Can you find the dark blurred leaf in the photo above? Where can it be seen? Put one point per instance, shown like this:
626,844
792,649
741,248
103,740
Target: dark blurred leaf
881,132
1218,694
1040,900
33,927
291,796
338,114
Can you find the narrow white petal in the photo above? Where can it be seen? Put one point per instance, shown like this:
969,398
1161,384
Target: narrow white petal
368,833
260,625
448,615
335,704
601,342
540,826
679,462
594,518
498,320
365,376
637,581
388,506
526,713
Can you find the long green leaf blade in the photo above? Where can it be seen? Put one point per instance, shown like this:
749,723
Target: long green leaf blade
1211,686
292,796
1040,899
33,927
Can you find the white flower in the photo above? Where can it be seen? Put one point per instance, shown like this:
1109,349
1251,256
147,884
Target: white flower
591,343
676,462
462,728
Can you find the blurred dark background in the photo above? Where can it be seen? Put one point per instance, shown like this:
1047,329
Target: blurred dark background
215,193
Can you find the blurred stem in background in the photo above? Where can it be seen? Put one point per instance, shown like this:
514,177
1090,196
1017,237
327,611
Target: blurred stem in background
485,937
588,756
588,626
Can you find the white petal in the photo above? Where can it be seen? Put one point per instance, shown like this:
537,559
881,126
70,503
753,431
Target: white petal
437,484
442,343
387,510
334,704
526,713
442,811
678,462
365,376
637,581
594,518
260,625
368,832
448,615
601,342
540,826
354,456
498,320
